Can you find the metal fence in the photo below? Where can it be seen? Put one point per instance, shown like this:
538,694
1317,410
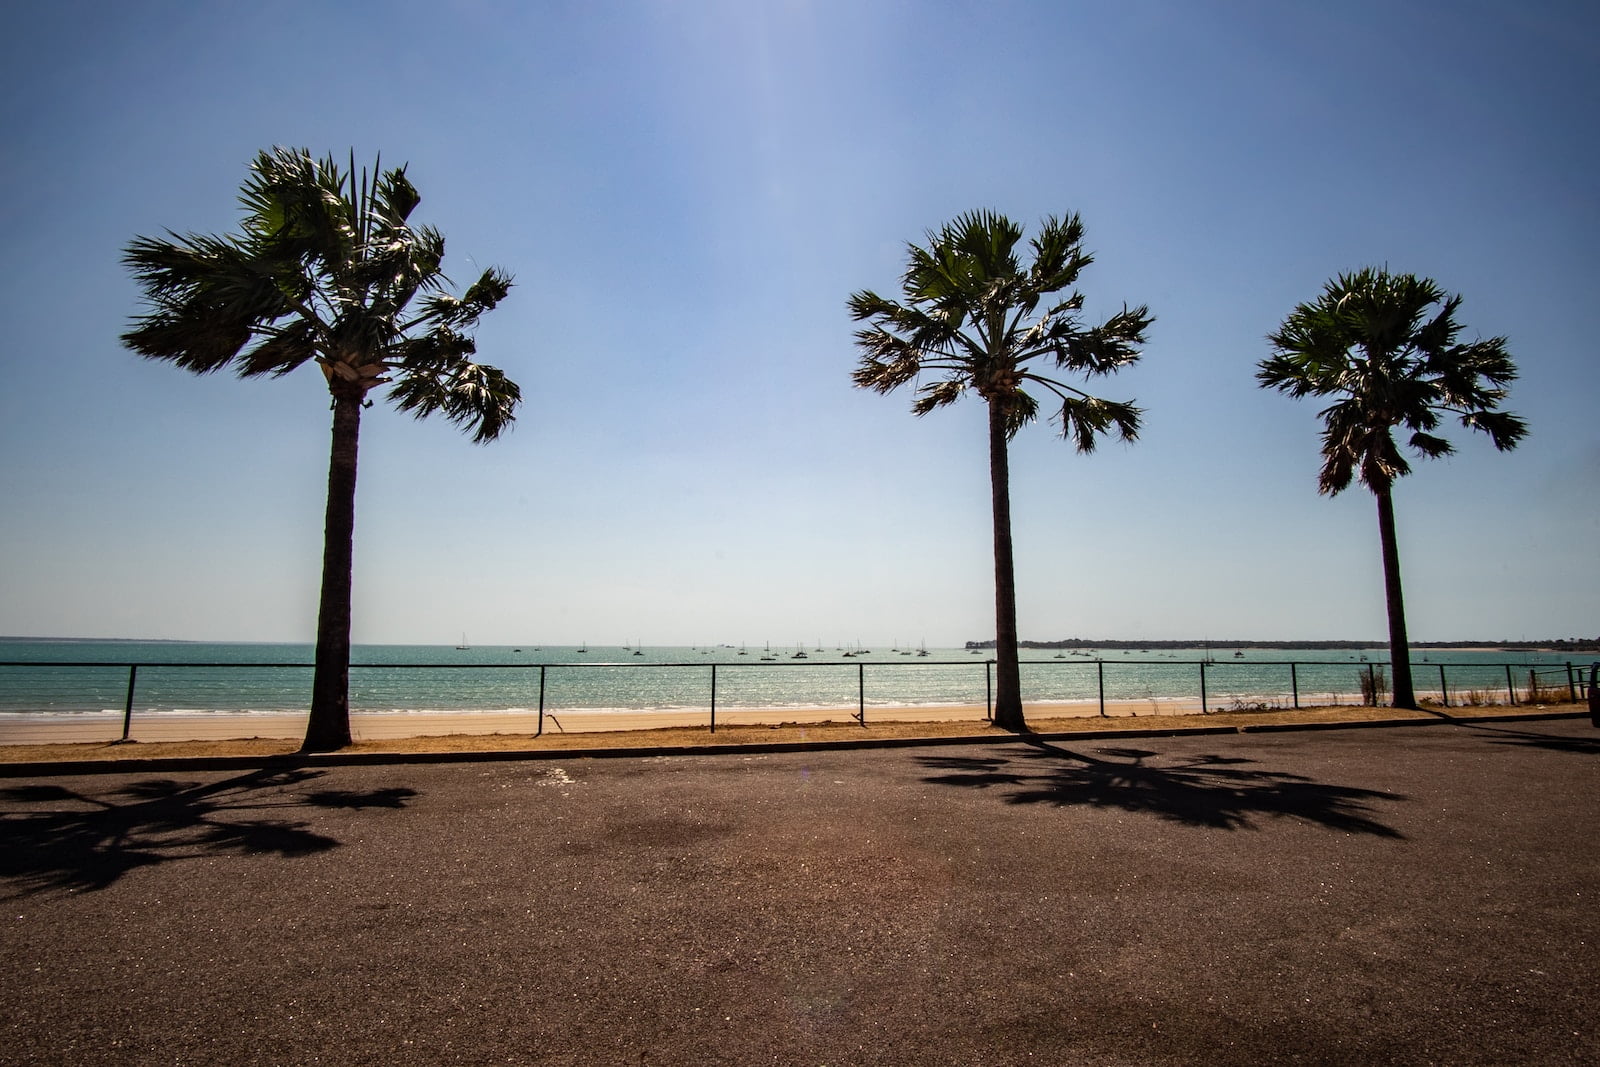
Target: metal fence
1215,684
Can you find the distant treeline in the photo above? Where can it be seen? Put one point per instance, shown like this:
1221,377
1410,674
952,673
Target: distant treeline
1557,644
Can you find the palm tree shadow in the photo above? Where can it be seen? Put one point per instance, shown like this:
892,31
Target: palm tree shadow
1212,791
1589,746
62,839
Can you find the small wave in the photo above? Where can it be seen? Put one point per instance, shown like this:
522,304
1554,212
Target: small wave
65,714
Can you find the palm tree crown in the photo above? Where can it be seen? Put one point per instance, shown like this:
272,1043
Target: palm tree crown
326,270
968,317
1387,346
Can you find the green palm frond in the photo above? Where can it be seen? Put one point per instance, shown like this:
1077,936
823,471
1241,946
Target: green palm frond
434,352
281,352
1385,346
1020,409
1430,446
1505,430
937,395
1084,420
1101,349
892,365
188,336
205,295
1058,255
482,296
472,396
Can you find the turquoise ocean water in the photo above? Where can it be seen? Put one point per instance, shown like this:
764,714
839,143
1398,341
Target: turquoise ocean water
244,678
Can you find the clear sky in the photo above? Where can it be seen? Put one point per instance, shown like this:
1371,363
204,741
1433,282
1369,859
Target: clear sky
687,192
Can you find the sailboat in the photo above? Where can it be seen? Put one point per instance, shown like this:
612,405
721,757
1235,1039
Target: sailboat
463,646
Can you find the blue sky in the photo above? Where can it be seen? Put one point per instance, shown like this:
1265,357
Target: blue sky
687,193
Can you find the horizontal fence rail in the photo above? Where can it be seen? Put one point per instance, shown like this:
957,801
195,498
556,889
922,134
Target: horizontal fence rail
1215,684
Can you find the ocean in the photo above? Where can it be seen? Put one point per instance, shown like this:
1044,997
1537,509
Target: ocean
79,678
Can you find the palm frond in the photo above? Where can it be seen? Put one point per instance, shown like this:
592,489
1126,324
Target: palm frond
1431,446
866,304
1085,419
187,337
471,395
1101,349
483,295
394,198
1058,255
281,351
206,296
1020,409
1505,430
937,395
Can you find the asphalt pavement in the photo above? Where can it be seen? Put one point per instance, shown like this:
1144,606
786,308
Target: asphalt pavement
1423,894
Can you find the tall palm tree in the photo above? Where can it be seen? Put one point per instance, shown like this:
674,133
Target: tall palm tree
968,319
1386,345
328,270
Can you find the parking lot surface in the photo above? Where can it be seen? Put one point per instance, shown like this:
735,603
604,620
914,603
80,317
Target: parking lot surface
1405,895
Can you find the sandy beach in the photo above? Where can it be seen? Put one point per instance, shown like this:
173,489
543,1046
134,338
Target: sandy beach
262,736
61,729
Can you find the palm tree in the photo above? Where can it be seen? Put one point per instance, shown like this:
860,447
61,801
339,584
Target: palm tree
968,320
1386,346
328,270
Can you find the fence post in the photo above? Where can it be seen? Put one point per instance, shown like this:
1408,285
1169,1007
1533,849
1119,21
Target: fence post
988,689
1572,688
1294,683
1594,694
713,698
127,708
1511,687
540,732
861,694
1204,709
1444,690
1100,672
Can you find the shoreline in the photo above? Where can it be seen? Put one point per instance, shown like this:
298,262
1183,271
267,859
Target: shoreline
44,728
659,732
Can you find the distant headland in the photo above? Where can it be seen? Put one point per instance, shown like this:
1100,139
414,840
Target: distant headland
1560,644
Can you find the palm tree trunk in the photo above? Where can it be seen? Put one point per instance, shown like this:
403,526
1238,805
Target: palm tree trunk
1008,681
1399,646
328,728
